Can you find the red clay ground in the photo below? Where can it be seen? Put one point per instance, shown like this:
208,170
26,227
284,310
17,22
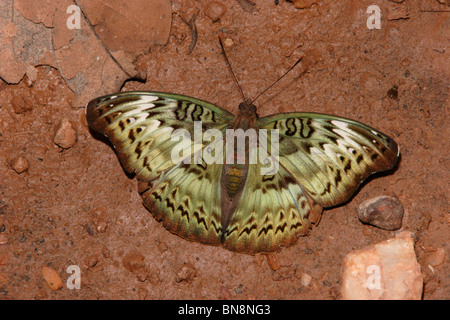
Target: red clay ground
77,206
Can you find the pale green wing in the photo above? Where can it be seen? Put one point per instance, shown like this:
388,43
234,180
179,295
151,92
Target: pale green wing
185,197
187,201
140,126
330,156
272,212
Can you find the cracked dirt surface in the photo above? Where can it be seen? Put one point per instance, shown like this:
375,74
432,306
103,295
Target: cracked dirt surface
77,206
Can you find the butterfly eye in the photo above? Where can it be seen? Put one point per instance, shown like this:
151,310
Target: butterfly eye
266,161
209,149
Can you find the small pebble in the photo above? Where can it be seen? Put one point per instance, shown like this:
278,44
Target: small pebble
435,258
153,278
52,278
397,13
393,93
134,262
215,10
259,259
305,280
105,252
91,261
65,136
228,42
224,293
99,220
383,212
273,261
142,293
367,231
3,239
20,104
20,165
162,247
186,273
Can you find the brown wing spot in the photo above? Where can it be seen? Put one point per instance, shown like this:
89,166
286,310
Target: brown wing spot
298,225
169,204
359,159
348,166
248,230
281,228
138,149
291,127
303,204
306,130
338,178
200,220
108,119
184,213
131,135
265,230
121,125
327,189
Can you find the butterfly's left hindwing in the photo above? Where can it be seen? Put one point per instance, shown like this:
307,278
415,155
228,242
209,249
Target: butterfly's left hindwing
187,201
272,212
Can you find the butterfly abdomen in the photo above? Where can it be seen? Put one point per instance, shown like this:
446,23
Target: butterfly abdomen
235,176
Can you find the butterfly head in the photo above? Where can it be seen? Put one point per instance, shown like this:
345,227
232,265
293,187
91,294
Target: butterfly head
247,109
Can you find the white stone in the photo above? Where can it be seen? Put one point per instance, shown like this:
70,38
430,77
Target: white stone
385,271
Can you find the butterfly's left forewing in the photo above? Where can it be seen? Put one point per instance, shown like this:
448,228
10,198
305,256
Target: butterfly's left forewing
140,126
329,156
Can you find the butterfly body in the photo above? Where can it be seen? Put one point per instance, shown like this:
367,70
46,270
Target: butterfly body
321,160
234,174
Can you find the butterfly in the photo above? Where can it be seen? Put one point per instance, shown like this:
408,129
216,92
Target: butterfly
322,159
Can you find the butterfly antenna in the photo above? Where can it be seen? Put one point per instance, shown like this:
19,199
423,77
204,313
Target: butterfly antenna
293,66
231,70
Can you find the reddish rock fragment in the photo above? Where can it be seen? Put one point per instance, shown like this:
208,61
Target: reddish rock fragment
383,212
20,165
134,262
186,273
65,136
52,278
215,10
